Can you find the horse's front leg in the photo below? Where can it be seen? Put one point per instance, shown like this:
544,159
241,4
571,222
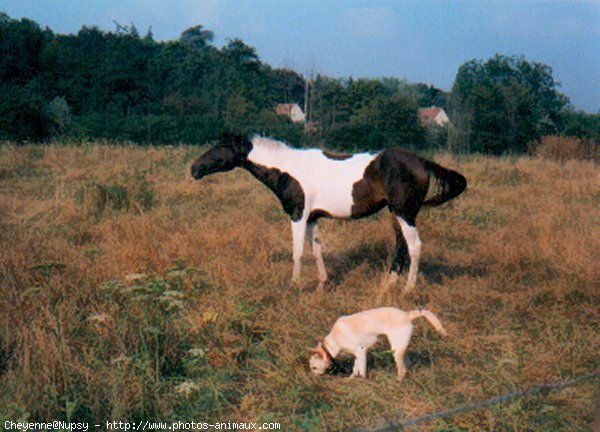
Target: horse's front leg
298,234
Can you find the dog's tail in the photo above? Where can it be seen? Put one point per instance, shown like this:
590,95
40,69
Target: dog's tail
450,184
433,320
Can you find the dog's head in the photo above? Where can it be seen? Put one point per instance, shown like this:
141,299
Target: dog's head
319,361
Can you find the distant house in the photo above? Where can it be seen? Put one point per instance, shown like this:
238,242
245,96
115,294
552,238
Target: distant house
433,116
291,110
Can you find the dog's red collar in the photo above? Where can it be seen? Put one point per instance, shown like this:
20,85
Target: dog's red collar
326,350
333,363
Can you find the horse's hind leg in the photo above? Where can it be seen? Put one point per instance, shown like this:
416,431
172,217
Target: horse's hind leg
400,255
312,233
408,244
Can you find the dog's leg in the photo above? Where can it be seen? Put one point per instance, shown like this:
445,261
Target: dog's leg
399,342
360,363
399,359
298,233
312,234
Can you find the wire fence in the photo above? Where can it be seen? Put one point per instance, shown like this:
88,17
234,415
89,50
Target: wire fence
544,389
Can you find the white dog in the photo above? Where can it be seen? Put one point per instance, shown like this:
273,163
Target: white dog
356,333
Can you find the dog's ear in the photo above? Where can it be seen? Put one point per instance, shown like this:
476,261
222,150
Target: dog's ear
318,351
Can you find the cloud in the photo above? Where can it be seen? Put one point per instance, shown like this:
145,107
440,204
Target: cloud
204,11
536,22
254,20
377,22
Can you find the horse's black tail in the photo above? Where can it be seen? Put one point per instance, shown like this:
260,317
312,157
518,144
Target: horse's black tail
449,184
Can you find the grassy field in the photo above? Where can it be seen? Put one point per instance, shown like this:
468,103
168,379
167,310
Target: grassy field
128,291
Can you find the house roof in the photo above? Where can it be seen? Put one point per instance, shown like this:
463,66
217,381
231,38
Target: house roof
428,115
285,108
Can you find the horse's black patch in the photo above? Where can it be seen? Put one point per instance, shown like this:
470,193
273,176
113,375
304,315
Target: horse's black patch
369,193
233,152
240,143
285,187
336,156
227,155
400,261
395,178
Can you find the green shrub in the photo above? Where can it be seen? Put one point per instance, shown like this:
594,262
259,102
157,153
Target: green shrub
126,192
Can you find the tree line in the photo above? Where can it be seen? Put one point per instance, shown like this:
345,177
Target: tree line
121,85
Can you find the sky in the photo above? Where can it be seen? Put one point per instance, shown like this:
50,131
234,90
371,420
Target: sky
416,40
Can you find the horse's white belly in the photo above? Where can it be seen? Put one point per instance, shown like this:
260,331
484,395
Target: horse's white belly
335,199
328,184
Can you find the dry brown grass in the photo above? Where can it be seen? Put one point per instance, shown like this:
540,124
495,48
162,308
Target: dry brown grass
562,149
511,268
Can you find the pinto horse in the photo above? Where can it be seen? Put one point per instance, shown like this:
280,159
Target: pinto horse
312,183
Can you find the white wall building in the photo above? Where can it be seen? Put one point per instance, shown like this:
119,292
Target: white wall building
433,116
292,110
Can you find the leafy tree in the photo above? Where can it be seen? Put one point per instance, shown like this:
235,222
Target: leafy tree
287,86
22,89
428,95
581,125
22,114
384,122
196,38
59,113
328,106
504,103
120,85
360,93
396,121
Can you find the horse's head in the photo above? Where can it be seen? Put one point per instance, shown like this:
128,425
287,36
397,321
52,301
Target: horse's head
230,153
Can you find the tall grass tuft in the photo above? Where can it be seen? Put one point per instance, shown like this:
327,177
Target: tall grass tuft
562,149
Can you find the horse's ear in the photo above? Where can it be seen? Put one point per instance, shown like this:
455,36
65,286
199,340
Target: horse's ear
235,141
